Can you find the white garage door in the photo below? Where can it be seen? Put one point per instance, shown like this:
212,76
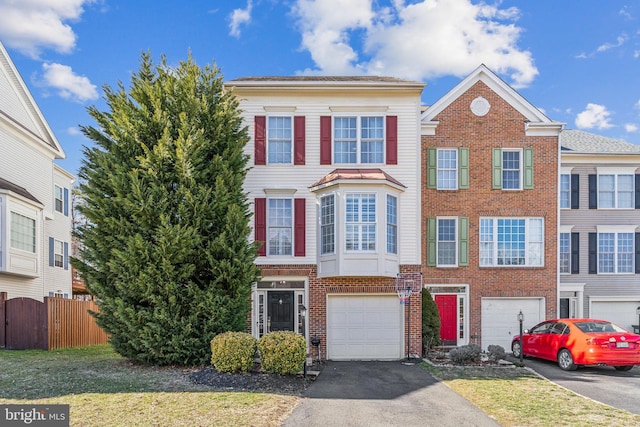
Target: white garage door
621,312
500,319
367,327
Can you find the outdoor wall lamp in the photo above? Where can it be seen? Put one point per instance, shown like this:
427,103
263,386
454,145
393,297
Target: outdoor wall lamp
521,319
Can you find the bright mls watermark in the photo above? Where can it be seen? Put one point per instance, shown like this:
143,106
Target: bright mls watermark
34,415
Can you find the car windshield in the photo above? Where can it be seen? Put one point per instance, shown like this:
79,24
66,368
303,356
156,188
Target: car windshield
599,327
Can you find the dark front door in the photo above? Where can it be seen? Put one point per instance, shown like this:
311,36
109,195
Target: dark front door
280,312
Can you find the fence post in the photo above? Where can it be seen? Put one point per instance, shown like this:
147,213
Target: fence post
3,320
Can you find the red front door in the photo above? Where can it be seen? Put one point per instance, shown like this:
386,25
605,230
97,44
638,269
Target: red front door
447,305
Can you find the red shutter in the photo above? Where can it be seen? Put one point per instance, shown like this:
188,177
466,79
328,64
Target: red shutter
392,140
260,140
260,225
325,140
298,140
300,240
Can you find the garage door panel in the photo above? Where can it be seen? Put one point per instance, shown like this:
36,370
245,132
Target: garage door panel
622,313
368,327
500,319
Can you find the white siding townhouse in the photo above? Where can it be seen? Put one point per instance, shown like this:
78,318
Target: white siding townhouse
35,196
335,188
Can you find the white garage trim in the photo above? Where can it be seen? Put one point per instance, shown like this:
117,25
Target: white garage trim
500,319
365,327
619,310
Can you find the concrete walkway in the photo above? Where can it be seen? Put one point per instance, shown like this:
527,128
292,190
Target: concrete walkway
383,394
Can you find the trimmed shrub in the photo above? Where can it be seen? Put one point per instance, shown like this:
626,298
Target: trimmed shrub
282,352
233,352
496,352
430,322
465,354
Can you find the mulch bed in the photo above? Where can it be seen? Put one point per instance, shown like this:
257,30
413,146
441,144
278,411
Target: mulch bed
254,381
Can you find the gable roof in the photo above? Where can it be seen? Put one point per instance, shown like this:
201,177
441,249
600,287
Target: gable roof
21,191
577,141
537,121
19,110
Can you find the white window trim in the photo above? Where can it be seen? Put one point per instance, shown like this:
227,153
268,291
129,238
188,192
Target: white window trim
376,222
55,198
560,233
560,191
494,255
397,225
520,170
456,241
438,151
615,230
358,117
57,242
616,172
268,140
292,227
335,225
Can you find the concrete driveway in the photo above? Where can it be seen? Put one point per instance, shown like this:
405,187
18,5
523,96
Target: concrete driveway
382,394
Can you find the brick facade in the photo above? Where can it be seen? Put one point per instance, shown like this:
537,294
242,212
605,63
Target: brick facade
502,127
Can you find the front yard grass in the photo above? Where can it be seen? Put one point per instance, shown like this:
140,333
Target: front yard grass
515,397
103,389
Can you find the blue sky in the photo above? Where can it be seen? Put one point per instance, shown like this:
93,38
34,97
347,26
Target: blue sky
577,60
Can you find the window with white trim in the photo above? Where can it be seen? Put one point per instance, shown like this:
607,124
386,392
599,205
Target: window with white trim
327,224
616,191
565,191
511,169
360,223
447,169
615,252
280,226
358,139
279,140
565,253
58,253
447,242
23,232
511,242
392,224
58,199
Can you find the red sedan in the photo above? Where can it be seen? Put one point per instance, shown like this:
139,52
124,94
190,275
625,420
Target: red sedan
575,342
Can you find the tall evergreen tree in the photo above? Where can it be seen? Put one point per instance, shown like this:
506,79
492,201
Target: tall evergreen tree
165,246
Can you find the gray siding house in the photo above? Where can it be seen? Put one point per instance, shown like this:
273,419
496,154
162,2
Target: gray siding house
599,235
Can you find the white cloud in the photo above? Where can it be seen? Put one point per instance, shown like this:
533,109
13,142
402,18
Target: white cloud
630,127
402,40
68,84
32,25
594,116
606,46
239,17
74,131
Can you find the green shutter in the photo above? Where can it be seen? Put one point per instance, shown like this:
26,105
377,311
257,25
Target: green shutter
463,168
528,168
432,167
463,241
496,168
431,241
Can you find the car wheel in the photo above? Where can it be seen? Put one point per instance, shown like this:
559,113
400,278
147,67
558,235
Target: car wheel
565,360
516,348
623,368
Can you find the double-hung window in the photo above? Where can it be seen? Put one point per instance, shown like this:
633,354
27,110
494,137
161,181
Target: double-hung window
565,191
511,242
447,169
279,140
511,170
360,224
280,226
447,242
327,224
616,191
392,224
58,199
58,253
358,139
565,253
615,252
23,233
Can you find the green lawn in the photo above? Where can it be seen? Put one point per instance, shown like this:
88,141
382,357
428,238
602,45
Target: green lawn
514,397
104,389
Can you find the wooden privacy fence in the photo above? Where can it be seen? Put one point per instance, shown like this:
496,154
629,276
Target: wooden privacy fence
26,323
